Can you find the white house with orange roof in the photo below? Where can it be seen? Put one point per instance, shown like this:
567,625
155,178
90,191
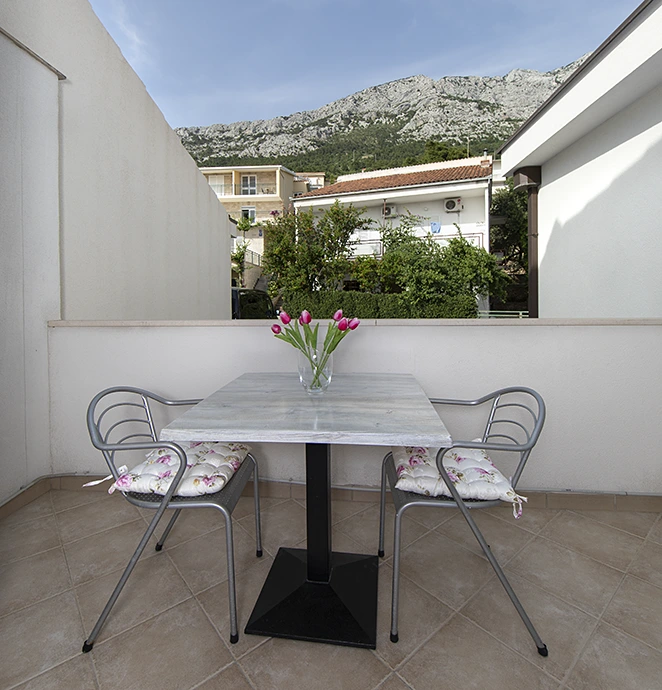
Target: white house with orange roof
450,197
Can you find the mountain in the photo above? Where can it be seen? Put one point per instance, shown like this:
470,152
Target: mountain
397,116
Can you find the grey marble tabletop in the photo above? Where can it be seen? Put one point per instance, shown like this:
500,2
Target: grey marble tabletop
357,409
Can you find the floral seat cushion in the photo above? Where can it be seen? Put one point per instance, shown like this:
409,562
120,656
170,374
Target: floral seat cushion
470,469
209,467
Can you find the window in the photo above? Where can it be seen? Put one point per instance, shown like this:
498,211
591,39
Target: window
248,212
249,184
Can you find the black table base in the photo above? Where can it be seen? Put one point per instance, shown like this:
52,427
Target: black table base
316,594
342,611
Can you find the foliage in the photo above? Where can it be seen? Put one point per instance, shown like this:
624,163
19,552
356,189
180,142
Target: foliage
511,237
238,258
244,225
305,253
421,269
366,305
442,151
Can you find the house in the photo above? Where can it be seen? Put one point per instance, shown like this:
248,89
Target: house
256,191
450,197
590,158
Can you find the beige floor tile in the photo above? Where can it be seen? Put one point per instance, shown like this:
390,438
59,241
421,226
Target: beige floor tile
41,507
504,538
280,664
465,656
24,539
637,610
429,516
32,579
420,614
64,500
445,569
231,678
35,639
638,524
569,575
153,587
282,525
78,673
613,660
364,528
563,628
104,553
648,564
532,519
656,532
189,525
394,683
215,602
92,518
176,650
246,506
202,562
595,539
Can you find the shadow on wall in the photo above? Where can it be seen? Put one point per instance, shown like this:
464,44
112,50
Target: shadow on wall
600,262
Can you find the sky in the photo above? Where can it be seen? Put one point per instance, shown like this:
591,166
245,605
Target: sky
221,61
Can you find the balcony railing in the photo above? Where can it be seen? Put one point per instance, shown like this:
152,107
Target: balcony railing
239,190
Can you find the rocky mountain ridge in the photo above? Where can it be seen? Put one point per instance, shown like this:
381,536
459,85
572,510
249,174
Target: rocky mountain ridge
414,108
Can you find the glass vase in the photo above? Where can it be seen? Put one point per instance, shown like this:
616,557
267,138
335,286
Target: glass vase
315,372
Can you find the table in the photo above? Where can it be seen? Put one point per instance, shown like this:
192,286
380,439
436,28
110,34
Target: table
316,594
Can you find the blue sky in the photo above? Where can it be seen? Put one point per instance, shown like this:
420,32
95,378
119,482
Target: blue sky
211,61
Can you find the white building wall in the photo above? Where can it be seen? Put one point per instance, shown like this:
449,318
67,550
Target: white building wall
602,431
142,234
600,219
29,264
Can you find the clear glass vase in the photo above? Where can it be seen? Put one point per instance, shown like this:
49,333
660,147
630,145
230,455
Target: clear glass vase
315,372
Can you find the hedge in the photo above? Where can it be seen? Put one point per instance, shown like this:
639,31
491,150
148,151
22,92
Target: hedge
366,305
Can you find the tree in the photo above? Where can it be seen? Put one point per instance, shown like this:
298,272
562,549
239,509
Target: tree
238,258
422,270
510,236
442,151
304,253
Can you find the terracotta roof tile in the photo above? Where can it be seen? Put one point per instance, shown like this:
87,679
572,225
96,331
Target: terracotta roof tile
365,184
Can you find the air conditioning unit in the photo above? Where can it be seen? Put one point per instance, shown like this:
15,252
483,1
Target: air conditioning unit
390,211
453,205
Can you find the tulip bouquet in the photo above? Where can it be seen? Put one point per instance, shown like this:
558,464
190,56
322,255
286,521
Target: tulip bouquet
298,332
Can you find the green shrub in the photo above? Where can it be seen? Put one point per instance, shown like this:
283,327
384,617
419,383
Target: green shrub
365,305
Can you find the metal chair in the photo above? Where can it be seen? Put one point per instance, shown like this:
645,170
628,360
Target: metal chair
122,419
515,420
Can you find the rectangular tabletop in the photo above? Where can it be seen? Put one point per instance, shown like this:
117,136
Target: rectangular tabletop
361,409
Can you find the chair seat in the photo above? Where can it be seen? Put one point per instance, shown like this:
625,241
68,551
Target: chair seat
209,467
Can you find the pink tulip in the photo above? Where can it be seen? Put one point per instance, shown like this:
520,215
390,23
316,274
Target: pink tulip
276,329
343,324
354,323
285,317
305,317
338,315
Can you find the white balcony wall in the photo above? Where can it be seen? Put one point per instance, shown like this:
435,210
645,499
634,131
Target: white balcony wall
599,380
143,236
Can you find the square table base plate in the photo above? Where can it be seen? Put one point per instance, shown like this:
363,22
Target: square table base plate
342,611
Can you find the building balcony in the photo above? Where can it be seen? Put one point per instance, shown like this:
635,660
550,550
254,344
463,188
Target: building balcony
225,190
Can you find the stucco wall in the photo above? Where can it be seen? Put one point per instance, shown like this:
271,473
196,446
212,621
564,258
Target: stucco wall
599,380
600,210
142,234
29,265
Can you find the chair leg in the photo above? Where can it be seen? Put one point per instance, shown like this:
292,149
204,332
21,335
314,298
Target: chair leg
395,595
166,532
89,643
232,594
382,509
258,519
542,648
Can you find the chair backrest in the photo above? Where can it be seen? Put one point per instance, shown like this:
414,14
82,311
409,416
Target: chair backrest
123,418
514,422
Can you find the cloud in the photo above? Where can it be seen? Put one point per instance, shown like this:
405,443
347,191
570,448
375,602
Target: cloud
135,48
